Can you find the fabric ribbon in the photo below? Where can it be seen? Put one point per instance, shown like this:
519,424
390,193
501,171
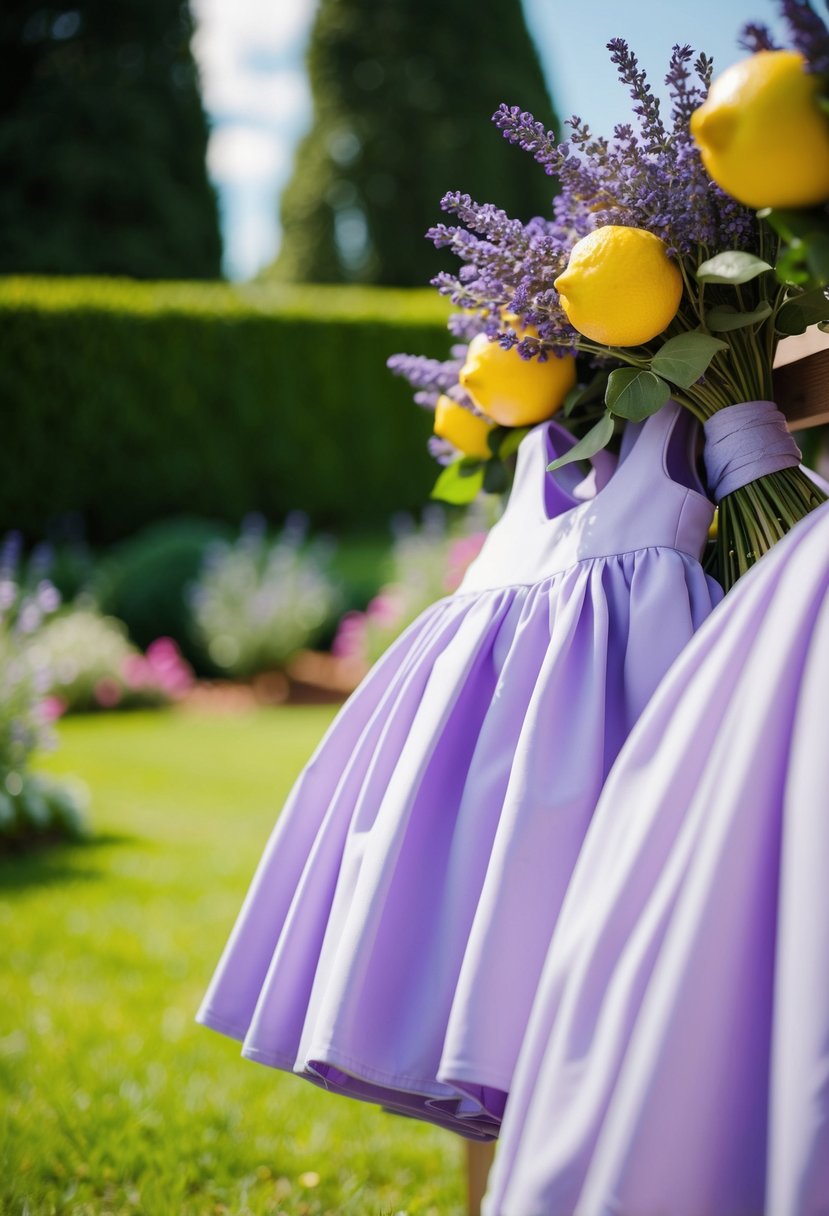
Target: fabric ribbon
744,442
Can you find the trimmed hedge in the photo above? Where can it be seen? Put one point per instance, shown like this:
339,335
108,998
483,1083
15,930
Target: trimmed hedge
128,402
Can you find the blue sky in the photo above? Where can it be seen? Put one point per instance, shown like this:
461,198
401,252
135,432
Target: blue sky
251,53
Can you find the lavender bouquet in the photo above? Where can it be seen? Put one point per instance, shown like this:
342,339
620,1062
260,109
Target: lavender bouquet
638,230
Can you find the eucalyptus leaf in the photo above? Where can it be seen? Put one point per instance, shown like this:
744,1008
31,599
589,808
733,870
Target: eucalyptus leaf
496,436
725,318
585,394
803,310
683,359
459,483
733,266
791,265
597,437
790,222
496,477
571,400
635,393
511,440
817,256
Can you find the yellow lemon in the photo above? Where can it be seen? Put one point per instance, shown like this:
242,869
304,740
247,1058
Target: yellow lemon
515,391
620,287
762,136
468,432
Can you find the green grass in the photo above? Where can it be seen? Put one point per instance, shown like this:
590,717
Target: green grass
111,1099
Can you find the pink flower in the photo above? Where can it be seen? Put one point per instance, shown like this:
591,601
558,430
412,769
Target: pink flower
385,609
349,642
136,671
107,692
462,553
168,669
52,708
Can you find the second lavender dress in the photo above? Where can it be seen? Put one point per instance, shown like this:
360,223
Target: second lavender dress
677,1059
392,940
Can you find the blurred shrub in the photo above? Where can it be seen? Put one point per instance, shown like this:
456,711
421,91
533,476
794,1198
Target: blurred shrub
427,563
31,806
258,602
129,402
93,665
144,580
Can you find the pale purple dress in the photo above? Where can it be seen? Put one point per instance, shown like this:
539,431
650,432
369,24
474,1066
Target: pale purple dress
677,1057
392,940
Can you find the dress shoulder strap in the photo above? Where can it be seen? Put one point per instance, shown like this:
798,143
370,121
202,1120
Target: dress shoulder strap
663,449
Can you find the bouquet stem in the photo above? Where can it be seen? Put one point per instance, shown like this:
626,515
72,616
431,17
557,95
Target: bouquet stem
753,518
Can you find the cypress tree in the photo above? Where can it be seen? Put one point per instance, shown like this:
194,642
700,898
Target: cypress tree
403,91
102,142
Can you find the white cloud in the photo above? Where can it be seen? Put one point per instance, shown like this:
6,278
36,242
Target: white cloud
269,24
250,56
241,153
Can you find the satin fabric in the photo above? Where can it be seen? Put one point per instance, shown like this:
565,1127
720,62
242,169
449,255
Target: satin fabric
676,1061
393,937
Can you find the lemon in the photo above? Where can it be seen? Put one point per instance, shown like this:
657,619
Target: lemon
466,431
762,136
515,391
620,287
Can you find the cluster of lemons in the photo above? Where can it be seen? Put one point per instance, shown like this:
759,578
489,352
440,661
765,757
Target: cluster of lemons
763,137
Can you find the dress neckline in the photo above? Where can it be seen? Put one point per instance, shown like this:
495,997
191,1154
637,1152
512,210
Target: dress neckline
653,436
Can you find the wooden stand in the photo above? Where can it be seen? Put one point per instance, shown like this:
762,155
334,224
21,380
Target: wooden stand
801,379
478,1163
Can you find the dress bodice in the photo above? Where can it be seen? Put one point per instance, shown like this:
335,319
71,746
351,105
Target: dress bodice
653,499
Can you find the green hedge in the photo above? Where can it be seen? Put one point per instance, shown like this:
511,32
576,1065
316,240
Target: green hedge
128,402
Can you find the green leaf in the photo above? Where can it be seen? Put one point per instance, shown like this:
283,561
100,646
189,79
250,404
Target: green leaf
495,438
683,359
803,310
791,223
496,477
817,256
635,393
585,394
791,265
459,482
512,440
732,266
726,317
597,437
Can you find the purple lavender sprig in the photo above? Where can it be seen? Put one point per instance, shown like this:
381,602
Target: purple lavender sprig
648,175
433,378
807,31
754,38
809,34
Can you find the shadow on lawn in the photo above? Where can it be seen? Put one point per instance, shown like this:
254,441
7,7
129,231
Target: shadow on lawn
48,862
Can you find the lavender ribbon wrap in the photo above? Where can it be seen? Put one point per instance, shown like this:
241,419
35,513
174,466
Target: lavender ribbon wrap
744,442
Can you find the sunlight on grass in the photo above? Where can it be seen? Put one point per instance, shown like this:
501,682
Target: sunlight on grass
111,1099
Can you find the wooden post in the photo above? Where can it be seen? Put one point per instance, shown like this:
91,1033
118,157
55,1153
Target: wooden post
478,1162
801,379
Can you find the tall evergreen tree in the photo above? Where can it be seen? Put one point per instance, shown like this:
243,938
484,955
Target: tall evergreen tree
102,141
403,91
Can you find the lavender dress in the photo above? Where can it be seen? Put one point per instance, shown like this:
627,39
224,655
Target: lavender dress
677,1057
392,940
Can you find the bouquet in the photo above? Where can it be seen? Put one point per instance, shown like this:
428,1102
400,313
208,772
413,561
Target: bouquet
662,282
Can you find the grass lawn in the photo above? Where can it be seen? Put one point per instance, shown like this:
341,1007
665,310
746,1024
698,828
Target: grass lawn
111,1099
